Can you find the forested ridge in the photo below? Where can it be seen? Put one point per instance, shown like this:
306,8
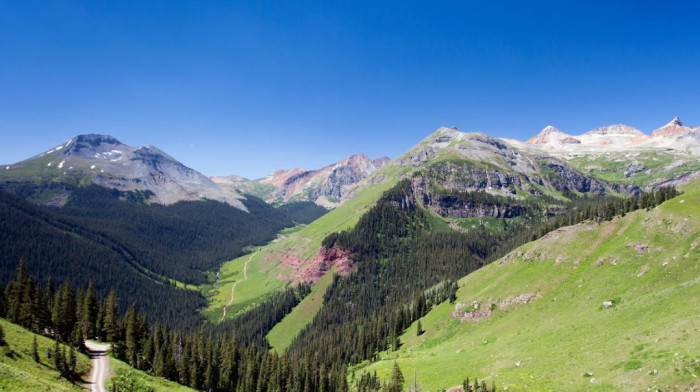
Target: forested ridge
116,241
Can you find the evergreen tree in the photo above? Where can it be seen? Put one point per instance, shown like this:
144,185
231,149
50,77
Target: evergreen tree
72,361
35,350
57,359
111,318
90,310
397,380
419,329
132,332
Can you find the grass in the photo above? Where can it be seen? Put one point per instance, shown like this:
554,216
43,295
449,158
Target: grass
282,335
157,383
19,372
650,338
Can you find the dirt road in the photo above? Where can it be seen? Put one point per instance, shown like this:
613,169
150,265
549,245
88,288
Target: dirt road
100,365
233,288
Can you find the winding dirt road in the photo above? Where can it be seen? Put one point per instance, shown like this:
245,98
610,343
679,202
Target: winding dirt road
233,288
100,365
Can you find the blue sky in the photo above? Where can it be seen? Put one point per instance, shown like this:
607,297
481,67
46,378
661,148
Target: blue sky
250,87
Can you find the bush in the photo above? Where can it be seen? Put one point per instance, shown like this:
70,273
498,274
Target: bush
127,381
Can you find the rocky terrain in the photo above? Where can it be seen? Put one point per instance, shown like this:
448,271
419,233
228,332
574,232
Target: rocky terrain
326,186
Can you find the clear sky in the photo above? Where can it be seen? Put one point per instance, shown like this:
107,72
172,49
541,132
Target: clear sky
246,88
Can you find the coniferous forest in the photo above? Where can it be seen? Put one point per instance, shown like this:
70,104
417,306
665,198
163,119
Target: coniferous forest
116,241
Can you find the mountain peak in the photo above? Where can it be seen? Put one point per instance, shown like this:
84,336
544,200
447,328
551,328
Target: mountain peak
673,129
544,136
549,129
676,122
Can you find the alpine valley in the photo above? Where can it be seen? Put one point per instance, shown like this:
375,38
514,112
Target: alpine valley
560,263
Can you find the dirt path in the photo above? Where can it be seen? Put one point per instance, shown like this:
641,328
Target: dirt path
233,288
100,365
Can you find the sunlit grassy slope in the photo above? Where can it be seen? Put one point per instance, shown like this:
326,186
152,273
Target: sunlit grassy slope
19,372
647,263
281,336
157,383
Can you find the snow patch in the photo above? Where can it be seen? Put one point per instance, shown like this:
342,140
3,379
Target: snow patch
50,164
7,168
58,148
60,165
92,167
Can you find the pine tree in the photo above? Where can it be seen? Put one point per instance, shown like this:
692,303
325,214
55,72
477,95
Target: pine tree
111,318
3,303
35,350
397,380
419,329
90,311
2,336
57,360
132,338
72,361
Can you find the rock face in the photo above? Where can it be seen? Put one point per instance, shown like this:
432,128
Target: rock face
110,163
467,175
310,271
326,186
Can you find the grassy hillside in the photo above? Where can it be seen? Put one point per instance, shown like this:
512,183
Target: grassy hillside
158,384
281,336
646,263
19,372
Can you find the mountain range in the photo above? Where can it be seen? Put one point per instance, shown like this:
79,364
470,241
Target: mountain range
603,153
337,267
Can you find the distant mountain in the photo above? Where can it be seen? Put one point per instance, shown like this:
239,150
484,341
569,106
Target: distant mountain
621,154
105,161
326,186
674,136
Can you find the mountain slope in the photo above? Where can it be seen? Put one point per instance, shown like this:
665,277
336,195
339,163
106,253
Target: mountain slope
104,160
141,250
60,248
326,186
550,325
18,370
